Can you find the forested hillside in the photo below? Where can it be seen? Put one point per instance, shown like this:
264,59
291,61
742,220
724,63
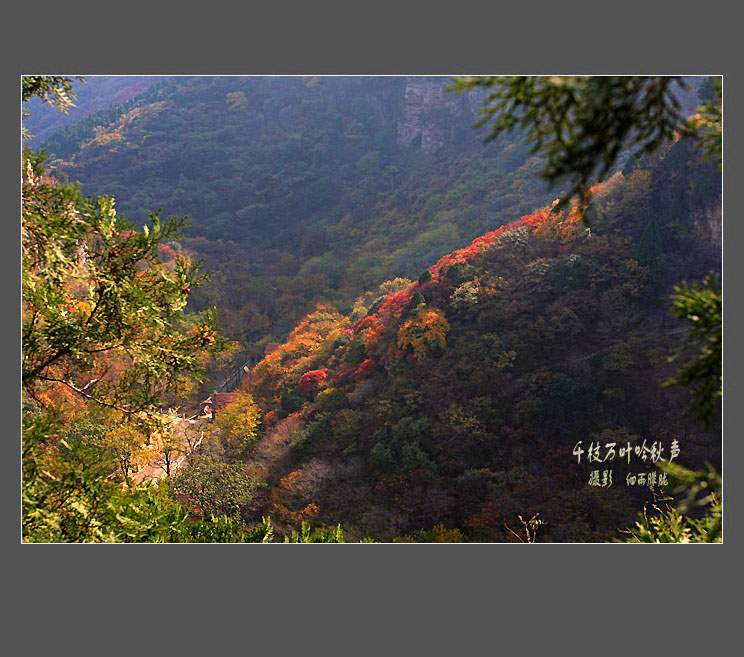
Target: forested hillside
102,95
303,190
458,399
443,347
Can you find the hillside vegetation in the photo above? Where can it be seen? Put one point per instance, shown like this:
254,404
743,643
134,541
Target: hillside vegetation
453,403
302,190
443,349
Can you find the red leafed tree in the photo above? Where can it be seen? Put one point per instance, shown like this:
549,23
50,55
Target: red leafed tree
465,255
368,321
397,302
310,381
365,369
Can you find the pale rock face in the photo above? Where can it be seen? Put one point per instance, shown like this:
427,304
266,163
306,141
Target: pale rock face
430,112
708,221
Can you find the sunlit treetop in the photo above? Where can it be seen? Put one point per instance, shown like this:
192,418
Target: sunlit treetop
102,306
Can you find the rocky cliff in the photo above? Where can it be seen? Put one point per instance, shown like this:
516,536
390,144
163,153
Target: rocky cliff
708,221
431,115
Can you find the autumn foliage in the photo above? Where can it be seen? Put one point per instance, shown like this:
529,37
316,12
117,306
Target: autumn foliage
365,370
311,341
440,386
424,332
310,381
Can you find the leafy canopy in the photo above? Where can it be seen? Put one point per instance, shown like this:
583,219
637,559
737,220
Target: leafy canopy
103,317
683,523
701,304
103,314
217,488
237,426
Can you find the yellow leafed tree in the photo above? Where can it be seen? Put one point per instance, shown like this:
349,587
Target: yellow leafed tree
237,426
424,332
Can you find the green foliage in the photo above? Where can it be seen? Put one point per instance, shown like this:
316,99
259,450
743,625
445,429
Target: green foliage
318,535
217,488
314,436
649,247
459,273
68,496
53,89
356,352
410,429
381,457
697,518
225,529
292,399
416,300
415,458
84,431
702,305
93,289
620,357
98,304
709,121
400,449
